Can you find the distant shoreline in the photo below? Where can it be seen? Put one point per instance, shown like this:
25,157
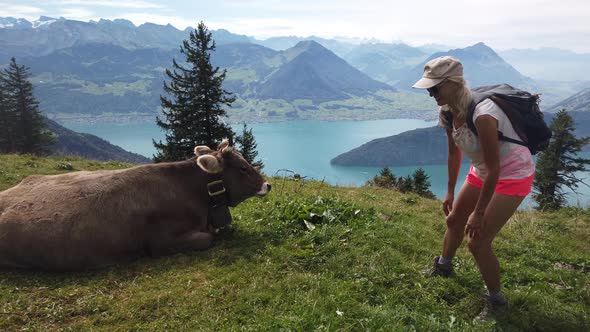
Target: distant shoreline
233,119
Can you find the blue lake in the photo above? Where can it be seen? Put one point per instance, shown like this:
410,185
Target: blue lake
304,147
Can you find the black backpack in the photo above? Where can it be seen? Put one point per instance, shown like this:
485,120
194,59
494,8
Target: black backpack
521,107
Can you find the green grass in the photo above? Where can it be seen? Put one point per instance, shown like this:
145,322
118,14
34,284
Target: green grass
310,256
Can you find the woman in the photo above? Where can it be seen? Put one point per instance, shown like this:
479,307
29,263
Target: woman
500,176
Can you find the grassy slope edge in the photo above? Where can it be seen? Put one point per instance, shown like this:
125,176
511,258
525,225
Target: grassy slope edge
311,256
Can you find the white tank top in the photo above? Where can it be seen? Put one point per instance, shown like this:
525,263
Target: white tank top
516,161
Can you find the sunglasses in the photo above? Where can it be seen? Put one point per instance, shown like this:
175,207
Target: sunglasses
434,89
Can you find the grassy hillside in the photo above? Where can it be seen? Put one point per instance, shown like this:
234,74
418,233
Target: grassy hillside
310,256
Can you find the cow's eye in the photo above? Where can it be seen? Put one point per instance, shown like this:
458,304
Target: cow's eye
244,168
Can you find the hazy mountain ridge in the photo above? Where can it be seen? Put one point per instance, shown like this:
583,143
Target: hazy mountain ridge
481,66
246,65
549,63
579,102
71,143
99,78
339,48
19,37
317,74
385,62
102,63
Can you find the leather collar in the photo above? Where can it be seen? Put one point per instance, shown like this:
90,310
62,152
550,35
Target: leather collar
218,194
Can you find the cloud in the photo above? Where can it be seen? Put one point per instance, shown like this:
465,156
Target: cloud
527,23
135,4
259,27
301,6
19,11
80,14
140,18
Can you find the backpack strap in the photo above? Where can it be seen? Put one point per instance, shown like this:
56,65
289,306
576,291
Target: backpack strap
448,116
478,97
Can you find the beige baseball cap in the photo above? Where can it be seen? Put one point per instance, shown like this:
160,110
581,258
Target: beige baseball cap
437,70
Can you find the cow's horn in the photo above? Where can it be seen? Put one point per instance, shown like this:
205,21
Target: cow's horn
224,143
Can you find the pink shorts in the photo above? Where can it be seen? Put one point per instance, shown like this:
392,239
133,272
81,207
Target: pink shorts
518,187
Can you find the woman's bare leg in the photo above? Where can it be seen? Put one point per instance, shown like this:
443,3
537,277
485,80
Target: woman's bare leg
456,220
499,210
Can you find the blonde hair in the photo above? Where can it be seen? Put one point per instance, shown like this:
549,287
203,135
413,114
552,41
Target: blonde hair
461,99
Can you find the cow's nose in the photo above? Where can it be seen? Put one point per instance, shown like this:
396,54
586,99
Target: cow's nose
264,189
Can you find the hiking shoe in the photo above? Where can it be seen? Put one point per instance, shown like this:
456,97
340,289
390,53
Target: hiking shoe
493,310
442,270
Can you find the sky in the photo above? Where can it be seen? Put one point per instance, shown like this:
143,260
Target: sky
501,24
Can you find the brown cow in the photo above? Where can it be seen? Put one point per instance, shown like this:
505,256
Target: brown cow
84,220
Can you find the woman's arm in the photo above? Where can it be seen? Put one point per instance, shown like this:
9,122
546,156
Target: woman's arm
453,166
487,129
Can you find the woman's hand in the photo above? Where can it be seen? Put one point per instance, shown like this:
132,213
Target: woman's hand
447,204
474,225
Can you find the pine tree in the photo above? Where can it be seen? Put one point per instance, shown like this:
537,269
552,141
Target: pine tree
558,163
405,184
421,184
6,123
248,146
386,173
195,110
26,128
385,179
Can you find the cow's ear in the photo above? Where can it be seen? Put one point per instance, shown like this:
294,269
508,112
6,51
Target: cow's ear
224,144
209,164
202,150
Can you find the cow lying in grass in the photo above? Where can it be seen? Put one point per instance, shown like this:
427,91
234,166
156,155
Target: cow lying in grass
84,220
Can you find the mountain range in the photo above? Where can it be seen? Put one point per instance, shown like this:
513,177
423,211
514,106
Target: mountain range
578,102
117,68
95,79
385,62
47,35
549,63
317,74
481,66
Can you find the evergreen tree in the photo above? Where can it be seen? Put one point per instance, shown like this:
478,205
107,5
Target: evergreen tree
248,146
385,179
420,183
405,184
7,124
194,112
26,130
558,163
386,173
